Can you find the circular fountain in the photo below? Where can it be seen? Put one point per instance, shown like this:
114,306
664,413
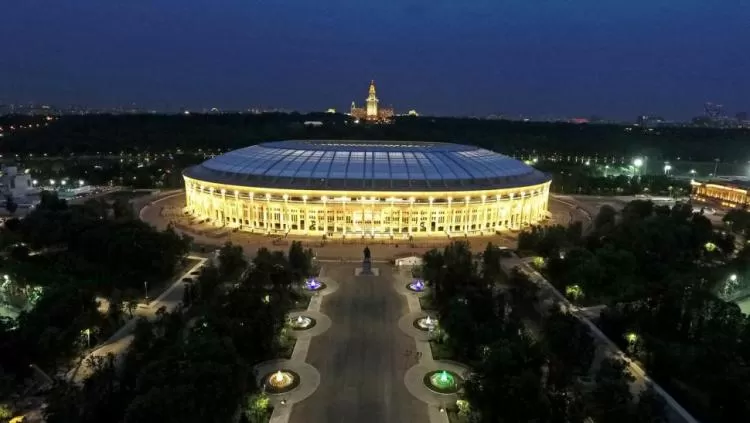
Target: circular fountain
301,322
427,323
280,381
443,381
417,285
313,284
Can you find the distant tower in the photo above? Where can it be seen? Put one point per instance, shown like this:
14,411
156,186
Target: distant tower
372,103
713,111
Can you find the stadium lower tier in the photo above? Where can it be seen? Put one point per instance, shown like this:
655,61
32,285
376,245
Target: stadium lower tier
372,214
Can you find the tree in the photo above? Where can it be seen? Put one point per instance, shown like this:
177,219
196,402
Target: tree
231,261
650,408
570,345
300,260
10,204
605,219
610,400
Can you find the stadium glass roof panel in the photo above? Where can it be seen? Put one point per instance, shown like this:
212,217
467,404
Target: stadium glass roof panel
375,165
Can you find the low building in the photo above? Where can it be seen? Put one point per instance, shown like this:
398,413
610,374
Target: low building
15,184
726,194
408,261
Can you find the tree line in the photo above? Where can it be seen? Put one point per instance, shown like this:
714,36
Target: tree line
137,133
524,367
661,273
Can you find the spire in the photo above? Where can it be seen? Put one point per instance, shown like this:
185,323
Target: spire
372,88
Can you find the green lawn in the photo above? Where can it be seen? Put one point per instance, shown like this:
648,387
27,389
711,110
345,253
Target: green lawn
426,302
440,351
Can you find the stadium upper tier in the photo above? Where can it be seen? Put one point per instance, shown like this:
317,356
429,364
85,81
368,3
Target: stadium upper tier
366,165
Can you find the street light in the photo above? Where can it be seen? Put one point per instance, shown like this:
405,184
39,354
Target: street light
87,332
52,182
80,182
667,168
145,289
638,162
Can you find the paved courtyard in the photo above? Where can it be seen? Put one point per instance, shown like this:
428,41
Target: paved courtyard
160,212
363,357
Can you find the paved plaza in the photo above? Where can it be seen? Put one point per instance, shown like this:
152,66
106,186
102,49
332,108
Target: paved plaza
363,357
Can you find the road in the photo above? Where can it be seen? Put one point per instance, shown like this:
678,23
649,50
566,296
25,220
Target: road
118,343
362,357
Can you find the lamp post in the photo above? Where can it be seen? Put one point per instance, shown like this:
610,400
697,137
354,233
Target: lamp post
667,168
637,163
145,289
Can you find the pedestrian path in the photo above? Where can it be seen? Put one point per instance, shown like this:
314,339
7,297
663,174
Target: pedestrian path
414,376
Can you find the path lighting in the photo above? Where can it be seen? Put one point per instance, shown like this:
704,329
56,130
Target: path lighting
63,182
80,182
574,291
87,332
35,182
667,168
631,337
638,162
52,182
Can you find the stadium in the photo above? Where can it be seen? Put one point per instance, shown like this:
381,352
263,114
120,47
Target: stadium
378,189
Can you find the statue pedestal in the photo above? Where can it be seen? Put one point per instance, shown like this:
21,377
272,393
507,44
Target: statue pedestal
366,269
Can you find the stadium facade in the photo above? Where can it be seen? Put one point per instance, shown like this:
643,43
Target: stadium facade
366,188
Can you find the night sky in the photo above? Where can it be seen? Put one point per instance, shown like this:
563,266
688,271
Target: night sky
447,57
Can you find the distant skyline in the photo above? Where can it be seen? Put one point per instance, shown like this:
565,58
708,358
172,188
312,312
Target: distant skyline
549,58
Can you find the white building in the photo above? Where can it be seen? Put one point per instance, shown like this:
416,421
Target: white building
15,184
409,261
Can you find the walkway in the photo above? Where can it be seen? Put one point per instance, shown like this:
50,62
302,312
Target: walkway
118,343
361,358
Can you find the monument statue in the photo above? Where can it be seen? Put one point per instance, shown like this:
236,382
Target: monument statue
366,263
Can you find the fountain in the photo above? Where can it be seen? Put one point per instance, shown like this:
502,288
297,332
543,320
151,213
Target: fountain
280,381
301,322
443,381
417,285
426,323
313,284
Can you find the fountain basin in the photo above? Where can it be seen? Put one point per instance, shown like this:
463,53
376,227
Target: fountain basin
301,322
417,285
426,324
443,381
280,381
313,285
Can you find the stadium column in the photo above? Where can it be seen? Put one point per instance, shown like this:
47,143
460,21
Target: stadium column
285,213
450,216
224,207
306,214
390,216
411,214
253,218
237,209
265,211
484,212
498,217
430,218
466,216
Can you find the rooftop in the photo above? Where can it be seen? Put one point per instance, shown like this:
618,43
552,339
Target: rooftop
366,165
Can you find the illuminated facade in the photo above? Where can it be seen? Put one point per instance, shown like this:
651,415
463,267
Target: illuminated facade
372,111
726,194
366,189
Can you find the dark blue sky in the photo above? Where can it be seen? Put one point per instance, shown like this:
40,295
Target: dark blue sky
541,57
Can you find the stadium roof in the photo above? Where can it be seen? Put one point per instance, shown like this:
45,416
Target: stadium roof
366,165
